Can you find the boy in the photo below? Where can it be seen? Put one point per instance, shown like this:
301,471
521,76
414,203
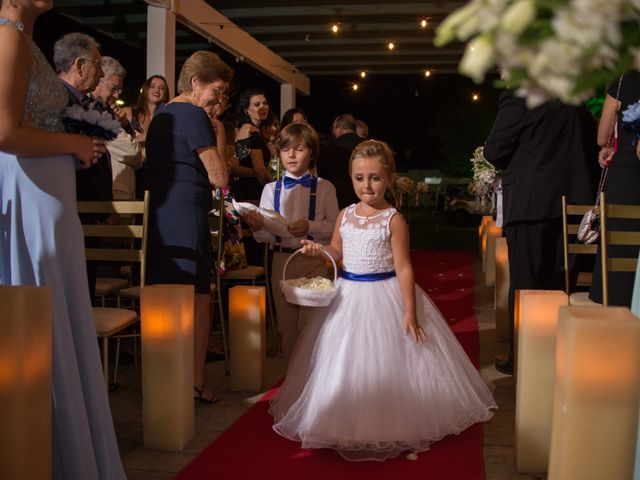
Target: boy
310,206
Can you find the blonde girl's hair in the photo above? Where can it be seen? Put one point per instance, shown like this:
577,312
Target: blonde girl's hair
296,133
384,154
205,66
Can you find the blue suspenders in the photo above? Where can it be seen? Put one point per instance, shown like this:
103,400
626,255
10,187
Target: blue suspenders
312,201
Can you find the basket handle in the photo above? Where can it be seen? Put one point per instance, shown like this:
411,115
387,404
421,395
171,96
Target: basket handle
286,264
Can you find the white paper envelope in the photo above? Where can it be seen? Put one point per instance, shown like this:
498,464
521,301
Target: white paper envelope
273,221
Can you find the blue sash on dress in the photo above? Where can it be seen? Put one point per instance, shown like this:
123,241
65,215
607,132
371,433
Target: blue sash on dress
367,277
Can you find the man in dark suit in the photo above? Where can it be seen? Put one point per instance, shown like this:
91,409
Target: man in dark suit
333,162
545,152
78,63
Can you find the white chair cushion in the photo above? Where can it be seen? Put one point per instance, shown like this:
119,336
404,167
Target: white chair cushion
109,321
251,272
108,286
581,299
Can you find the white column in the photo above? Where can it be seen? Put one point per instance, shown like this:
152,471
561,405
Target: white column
287,97
161,45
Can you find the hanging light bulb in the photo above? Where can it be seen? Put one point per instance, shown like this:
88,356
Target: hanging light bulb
363,74
423,23
355,87
335,28
391,45
427,73
475,97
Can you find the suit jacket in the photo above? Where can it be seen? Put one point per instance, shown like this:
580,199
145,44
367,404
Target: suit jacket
333,165
544,152
93,183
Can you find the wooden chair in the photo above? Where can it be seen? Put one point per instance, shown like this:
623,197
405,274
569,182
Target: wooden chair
571,216
111,322
610,237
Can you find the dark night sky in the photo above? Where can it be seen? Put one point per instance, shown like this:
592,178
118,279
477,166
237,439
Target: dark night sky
430,123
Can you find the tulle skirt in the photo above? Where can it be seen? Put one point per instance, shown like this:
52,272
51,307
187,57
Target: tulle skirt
357,384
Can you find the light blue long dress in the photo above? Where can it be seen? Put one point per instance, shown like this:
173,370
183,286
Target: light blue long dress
41,243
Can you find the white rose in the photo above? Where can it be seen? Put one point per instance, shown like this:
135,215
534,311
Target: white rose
448,29
519,16
478,58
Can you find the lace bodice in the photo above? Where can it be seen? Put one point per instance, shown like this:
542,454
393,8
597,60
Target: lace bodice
366,241
46,97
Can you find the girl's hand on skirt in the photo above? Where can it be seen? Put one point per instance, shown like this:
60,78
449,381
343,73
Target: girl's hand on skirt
311,248
412,327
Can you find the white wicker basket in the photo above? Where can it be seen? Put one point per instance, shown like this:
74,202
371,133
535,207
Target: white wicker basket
308,297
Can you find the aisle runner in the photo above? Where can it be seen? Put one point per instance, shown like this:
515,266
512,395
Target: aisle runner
251,450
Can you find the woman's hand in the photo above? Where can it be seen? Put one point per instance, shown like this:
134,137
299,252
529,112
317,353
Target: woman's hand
411,326
254,220
311,248
604,156
299,228
88,150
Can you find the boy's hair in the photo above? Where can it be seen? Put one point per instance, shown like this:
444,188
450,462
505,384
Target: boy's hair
296,133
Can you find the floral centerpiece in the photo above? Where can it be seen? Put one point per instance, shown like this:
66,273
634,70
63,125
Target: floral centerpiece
93,119
485,175
548,48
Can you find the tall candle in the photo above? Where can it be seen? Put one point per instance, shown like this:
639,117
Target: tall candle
595,413
483,242
247,337
501,298
493,233
538,317
168,412
25,382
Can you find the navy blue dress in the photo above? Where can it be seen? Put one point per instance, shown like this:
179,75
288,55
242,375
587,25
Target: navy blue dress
179,244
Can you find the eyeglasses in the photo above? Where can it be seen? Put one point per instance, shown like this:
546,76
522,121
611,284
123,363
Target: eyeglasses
97,63
112,88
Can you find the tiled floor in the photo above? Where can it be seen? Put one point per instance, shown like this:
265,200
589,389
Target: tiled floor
144,464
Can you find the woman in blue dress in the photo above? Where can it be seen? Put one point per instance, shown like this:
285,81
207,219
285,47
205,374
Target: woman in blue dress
183,166
41,241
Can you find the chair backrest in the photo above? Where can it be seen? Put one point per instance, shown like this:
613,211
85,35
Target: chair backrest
609,236
118,232
571,217
216,224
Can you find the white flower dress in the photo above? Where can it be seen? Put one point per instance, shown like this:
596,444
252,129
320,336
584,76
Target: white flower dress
357,384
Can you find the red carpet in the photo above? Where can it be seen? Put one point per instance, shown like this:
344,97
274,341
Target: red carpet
251,450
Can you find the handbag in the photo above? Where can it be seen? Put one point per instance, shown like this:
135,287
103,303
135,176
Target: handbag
589,228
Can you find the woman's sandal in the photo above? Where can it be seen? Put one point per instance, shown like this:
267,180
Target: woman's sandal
201,398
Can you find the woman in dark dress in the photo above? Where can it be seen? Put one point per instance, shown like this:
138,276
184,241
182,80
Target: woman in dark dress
183,165
252,173
622,185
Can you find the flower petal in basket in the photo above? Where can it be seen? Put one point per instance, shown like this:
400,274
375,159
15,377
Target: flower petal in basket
314,292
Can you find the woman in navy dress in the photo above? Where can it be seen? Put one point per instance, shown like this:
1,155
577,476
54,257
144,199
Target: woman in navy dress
183,166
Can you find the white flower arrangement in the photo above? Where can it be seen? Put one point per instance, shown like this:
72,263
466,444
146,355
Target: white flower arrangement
548,48
484,174
93,120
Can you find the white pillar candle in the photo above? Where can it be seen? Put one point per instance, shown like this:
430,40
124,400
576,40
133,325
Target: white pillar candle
247,337
483,240
493,233
168,412
538,317
25,382
595,413
481,229
501,298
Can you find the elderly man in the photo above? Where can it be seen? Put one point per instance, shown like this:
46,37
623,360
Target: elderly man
126,155
78,62
333,163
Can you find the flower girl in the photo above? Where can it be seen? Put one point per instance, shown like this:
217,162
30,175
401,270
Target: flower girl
377,372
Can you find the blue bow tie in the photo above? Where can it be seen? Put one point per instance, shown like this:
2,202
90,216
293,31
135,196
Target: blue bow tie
306,181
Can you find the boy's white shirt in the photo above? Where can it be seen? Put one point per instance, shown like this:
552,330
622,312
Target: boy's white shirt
294,206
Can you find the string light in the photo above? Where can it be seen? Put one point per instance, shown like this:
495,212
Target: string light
475,97
423,23
391,45
335,28
363,74
355,87
427,73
